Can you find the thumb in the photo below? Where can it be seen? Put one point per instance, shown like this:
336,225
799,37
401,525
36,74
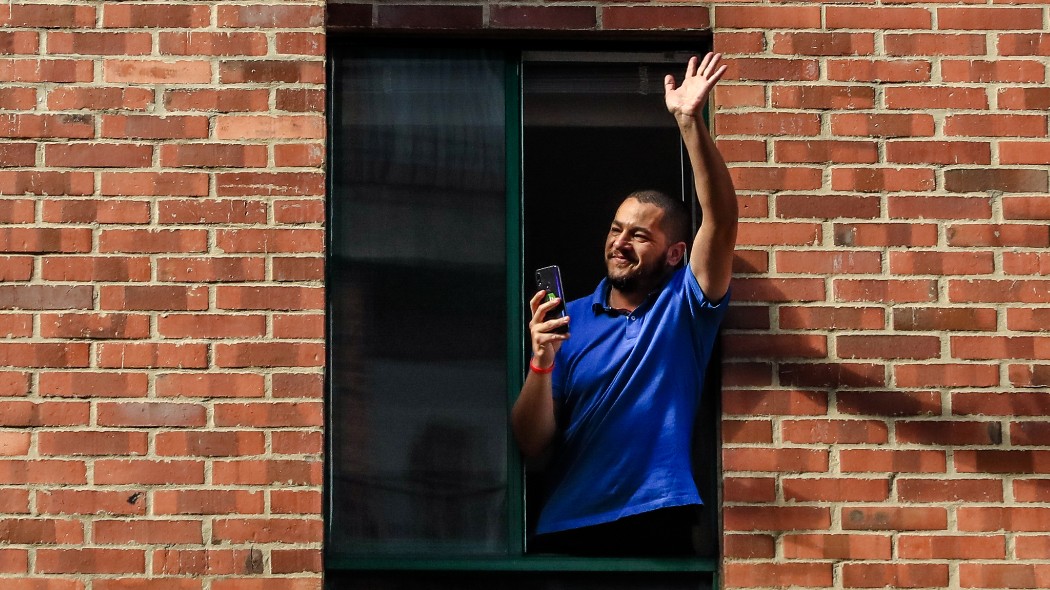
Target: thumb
668,83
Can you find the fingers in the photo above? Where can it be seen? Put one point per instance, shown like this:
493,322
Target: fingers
550,325
718,74
703,64
535,301
690,68
540,310
546,338
710,65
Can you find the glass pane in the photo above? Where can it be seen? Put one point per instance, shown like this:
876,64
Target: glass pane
596,580
418,297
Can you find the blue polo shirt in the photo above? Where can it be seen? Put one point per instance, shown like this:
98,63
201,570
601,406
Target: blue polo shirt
626,388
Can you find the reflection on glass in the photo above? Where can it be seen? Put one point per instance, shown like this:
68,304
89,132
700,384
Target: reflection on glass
418,305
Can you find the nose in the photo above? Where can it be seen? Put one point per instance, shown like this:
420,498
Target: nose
620,241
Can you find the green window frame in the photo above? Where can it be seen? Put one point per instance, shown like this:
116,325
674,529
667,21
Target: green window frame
339,562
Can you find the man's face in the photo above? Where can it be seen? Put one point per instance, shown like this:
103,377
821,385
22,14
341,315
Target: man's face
636,249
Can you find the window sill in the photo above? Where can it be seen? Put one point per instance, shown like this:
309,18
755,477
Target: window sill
537,563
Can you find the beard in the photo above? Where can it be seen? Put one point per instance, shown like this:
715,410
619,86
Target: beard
642,278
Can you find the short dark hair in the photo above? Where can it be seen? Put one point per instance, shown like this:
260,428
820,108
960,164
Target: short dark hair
676,222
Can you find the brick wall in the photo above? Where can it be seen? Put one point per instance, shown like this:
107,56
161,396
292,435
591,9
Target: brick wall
160,221
162,293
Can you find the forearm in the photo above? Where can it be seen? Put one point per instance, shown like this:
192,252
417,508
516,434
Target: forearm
714,186
532,418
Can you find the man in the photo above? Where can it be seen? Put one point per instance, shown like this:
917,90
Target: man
613,401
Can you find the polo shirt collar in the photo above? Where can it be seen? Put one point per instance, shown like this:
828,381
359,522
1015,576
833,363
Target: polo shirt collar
600,297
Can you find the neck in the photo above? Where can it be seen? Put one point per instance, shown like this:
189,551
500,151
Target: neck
629,301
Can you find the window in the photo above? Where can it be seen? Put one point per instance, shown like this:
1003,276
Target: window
453,170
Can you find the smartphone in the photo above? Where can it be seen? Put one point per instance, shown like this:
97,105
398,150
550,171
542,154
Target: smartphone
548,279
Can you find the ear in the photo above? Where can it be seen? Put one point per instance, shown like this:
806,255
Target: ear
675,253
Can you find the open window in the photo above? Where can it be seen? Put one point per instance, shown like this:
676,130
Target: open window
455,170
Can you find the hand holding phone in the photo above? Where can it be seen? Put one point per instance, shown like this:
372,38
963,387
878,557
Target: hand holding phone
548,279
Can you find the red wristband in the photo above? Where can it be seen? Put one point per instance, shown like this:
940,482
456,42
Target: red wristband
536,369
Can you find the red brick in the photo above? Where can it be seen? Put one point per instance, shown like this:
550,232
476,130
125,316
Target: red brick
295,502
147,16
44,241
269,298
269,17
946,375
46,16
290,561
747,317
271,72
14,444
208,43
14,561
157,71
883,71
1023,98
154,127
883,518
741,95
310,326
831,318
268,472
977,71
895,575
949,433
551,17
1023,44
836,490
1031,490
17,154
36,531
994,518
297,385
1024,152
776,178
848,262
949,490
212,155
871,180
767,17
989,347
190,184
32,414
785,460
45,70
90,502
930,207
227,211
42,355
78,126
827,546
300,43
1029,434
99,98
882,125
267,354
90,561
995,575
772,69
832,375
937,319
775,518
833,43
767,234
42,471
146,472
298,211
987,18
997,125
226,100
210,444
97,43
842,152
154,297
962,547
1030,375
1031,547
892,347
741,432
780,575
15,501
207,502
655,17
877,17
892,461
935,97
151,414
774,402
941,263
749,489
152,532
247,184
196,325
1026,263
1001,404
97,211
296,155
753,261
742,150
17,99
938,152
769,289
897,291
85,442
16,268
1025,461
737,42
212,269
94,327
822,97
198,562
270,240
267,530
95,268
766,124
269,415
210,385
1015,291
258,583
934,44
300,100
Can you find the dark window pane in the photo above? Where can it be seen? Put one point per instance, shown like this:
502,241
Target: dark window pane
520,580
418,304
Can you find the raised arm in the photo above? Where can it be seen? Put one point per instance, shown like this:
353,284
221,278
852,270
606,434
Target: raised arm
711,257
